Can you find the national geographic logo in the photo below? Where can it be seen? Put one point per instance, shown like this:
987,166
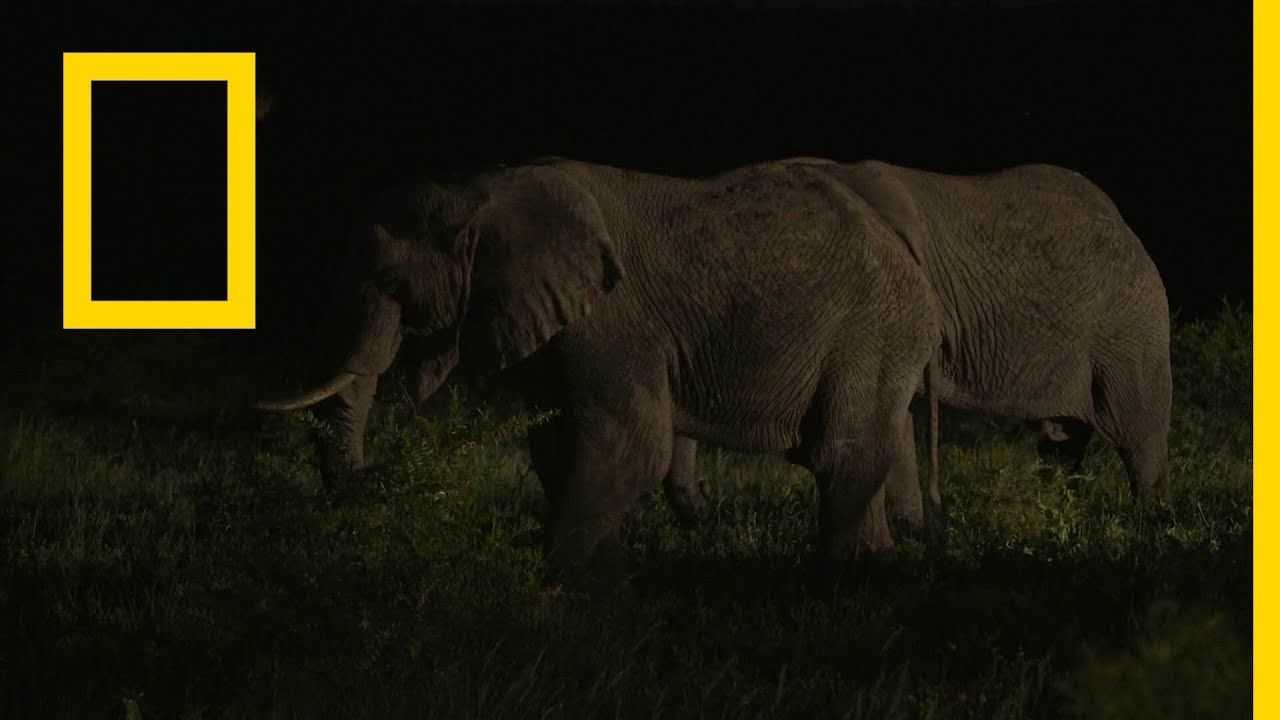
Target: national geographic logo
232,309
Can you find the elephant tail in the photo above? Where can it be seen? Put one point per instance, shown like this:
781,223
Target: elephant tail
935,519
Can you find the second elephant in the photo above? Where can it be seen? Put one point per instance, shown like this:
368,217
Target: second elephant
1051,310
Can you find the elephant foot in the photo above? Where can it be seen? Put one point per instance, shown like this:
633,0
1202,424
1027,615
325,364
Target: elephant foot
904,504
932,531
1150,495
691,501
910,520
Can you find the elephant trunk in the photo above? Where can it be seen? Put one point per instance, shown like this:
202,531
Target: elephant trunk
348,413
344,400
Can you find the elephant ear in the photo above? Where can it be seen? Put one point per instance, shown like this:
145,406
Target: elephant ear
544,258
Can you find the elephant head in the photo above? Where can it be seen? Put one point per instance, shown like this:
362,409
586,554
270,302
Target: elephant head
480,273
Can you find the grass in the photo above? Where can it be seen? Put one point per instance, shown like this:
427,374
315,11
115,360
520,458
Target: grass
168,555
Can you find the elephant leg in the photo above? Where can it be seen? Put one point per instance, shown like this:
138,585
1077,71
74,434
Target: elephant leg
856,441
1063,443
1146,463
903,497
687,495
852,522
1132,404
594,462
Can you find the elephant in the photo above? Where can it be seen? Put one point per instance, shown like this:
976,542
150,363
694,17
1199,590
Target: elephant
767,309
1050,308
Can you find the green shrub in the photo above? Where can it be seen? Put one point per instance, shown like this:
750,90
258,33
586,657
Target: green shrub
164,557
1186,664
1213,381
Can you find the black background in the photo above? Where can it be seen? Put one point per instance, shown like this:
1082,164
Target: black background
159,222
1150,100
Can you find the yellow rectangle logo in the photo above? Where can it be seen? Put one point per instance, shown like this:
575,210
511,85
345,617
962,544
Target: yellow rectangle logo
79,309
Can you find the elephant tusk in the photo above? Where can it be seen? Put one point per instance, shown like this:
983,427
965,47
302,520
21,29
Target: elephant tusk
307,399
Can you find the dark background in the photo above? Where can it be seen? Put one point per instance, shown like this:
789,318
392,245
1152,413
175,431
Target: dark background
189,567
159,145
1152,101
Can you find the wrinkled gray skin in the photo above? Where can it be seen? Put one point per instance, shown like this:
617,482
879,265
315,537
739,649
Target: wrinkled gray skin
1051,311
767,309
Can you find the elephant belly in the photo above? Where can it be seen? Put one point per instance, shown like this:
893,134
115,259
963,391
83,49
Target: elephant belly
745,435
752,411
747,380
1029,385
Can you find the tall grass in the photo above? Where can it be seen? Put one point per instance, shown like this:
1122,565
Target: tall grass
168,556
